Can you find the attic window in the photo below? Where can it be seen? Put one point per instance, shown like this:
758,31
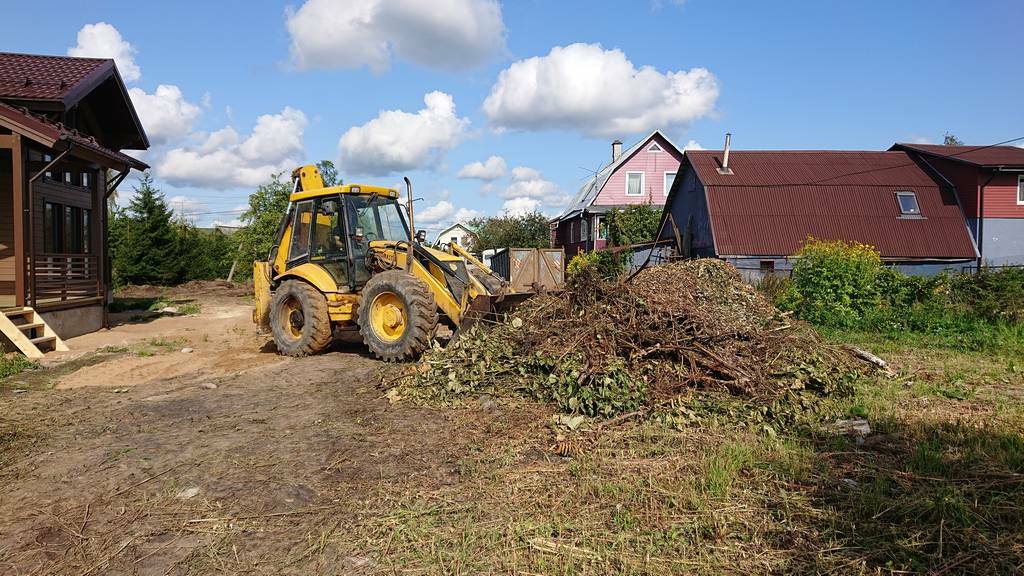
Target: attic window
908,204
654,148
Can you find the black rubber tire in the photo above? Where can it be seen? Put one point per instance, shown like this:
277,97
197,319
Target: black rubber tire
314,323
421,313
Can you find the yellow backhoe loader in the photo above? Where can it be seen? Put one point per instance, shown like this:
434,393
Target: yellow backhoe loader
346,257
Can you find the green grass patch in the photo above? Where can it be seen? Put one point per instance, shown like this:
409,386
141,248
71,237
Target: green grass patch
14,363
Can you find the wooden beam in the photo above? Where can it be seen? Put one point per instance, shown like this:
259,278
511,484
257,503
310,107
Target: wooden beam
18,217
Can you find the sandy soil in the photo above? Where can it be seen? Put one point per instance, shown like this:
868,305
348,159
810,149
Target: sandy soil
228,459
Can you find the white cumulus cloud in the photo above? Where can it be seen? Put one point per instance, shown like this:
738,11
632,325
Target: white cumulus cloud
597,92
491,169
101,40
520,206
165,114
529,191
444,213
436,213
224,159
443,34
692,145
395,140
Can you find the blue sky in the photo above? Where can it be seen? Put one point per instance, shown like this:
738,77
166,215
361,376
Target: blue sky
544,86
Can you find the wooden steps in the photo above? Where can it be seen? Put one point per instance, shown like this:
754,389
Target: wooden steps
27,330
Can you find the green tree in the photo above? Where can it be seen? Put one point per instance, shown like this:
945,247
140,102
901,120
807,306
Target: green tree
632,225
202,254
146,247
524,231
951,140
328,172
266,208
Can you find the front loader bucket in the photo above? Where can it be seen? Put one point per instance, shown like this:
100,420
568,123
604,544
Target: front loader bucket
261,296
491,307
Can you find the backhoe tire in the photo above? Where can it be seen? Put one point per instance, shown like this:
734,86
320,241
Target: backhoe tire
397,316
299,320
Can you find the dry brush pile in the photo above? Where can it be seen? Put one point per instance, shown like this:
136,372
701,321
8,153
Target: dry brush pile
689,330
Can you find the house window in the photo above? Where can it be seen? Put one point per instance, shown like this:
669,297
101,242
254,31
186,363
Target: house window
767,266
86,230
654,148
1020,189
85,180
634,183
584,230
66,229
908,204
602,229
72,230
670,177
454,240
53,228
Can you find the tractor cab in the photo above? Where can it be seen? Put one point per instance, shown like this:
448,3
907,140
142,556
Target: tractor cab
333,228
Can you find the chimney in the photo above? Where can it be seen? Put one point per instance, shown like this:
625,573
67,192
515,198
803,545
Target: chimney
725,156
616,150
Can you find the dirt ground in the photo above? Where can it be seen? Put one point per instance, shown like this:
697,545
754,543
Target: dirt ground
128,455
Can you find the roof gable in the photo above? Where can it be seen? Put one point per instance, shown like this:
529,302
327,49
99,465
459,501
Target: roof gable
589,191
774,200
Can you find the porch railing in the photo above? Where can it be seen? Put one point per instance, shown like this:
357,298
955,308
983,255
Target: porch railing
63,277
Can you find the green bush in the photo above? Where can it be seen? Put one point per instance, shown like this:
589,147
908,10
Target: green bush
632,225
595,265
834,282
844,285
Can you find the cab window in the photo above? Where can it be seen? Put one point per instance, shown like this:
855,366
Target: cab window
328,235
299,245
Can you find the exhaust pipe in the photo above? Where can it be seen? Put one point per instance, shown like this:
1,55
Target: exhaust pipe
412,226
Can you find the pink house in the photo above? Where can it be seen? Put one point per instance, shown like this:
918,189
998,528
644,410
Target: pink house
641,174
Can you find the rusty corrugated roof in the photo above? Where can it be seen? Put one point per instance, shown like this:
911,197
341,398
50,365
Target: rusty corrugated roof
987,156
774,200
49,133
36,77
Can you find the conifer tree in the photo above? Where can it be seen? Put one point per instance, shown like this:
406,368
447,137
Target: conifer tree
148,253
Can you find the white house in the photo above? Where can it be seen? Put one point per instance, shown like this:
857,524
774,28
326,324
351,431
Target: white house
458,233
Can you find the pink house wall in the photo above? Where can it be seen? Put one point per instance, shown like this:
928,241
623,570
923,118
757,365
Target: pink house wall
653,165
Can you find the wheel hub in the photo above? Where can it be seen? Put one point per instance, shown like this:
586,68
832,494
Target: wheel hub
388,316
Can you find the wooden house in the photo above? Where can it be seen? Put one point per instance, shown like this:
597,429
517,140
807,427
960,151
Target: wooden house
756,208
63,124
641,174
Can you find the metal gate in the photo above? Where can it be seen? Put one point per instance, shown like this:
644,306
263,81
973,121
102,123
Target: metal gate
529,269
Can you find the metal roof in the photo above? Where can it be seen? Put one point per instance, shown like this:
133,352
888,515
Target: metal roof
35,77
592,187
774,200
985,156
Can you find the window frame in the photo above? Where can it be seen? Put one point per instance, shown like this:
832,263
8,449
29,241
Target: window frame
669,187
297,225
584,229
899,204
643,177
1020,190
655,147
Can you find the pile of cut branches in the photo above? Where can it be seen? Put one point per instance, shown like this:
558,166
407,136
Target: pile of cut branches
604,348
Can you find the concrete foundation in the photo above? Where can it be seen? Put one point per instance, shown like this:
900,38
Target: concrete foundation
75,321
